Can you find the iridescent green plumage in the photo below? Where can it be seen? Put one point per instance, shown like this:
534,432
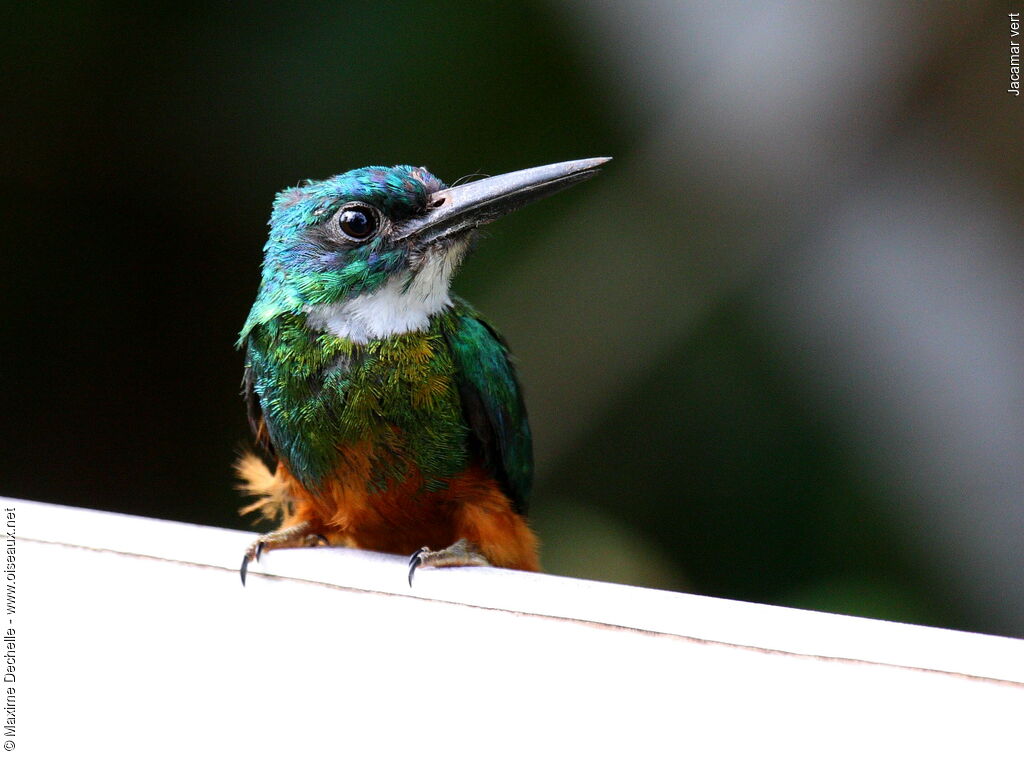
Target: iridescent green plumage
391,405
429,401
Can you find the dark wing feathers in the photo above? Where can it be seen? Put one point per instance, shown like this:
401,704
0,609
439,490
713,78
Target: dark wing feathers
254,411
493,403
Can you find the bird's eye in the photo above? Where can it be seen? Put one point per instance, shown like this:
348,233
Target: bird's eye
358,222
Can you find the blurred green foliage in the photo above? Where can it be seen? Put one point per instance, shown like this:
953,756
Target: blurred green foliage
150,140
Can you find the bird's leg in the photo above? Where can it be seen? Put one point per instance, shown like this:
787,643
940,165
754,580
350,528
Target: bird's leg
295,536
462,552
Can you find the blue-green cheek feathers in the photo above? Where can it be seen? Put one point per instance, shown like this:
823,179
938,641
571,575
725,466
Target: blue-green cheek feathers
306,263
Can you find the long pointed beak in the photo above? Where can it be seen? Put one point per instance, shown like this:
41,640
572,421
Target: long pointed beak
480,202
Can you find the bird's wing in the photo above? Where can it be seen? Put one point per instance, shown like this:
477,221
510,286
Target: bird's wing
253,409
492,402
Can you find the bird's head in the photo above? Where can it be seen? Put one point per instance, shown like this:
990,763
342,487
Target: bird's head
372,251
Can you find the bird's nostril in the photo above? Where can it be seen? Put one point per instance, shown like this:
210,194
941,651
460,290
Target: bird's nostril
438,201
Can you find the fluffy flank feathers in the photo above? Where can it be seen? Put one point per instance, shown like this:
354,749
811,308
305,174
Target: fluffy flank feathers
273,501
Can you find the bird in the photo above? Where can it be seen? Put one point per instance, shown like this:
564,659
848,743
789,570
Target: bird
388,408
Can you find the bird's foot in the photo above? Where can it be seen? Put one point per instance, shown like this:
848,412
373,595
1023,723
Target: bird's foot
461,553
295,537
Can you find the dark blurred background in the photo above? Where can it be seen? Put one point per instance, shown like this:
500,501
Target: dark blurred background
773,352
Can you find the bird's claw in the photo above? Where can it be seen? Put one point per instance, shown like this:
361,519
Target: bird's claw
415,561
252,553
296,536
461,553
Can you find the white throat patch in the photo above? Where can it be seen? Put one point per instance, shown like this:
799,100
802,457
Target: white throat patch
396,307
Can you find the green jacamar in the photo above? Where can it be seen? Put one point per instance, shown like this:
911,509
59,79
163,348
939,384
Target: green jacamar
390,407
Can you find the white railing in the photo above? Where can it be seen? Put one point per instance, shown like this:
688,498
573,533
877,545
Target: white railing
137,645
